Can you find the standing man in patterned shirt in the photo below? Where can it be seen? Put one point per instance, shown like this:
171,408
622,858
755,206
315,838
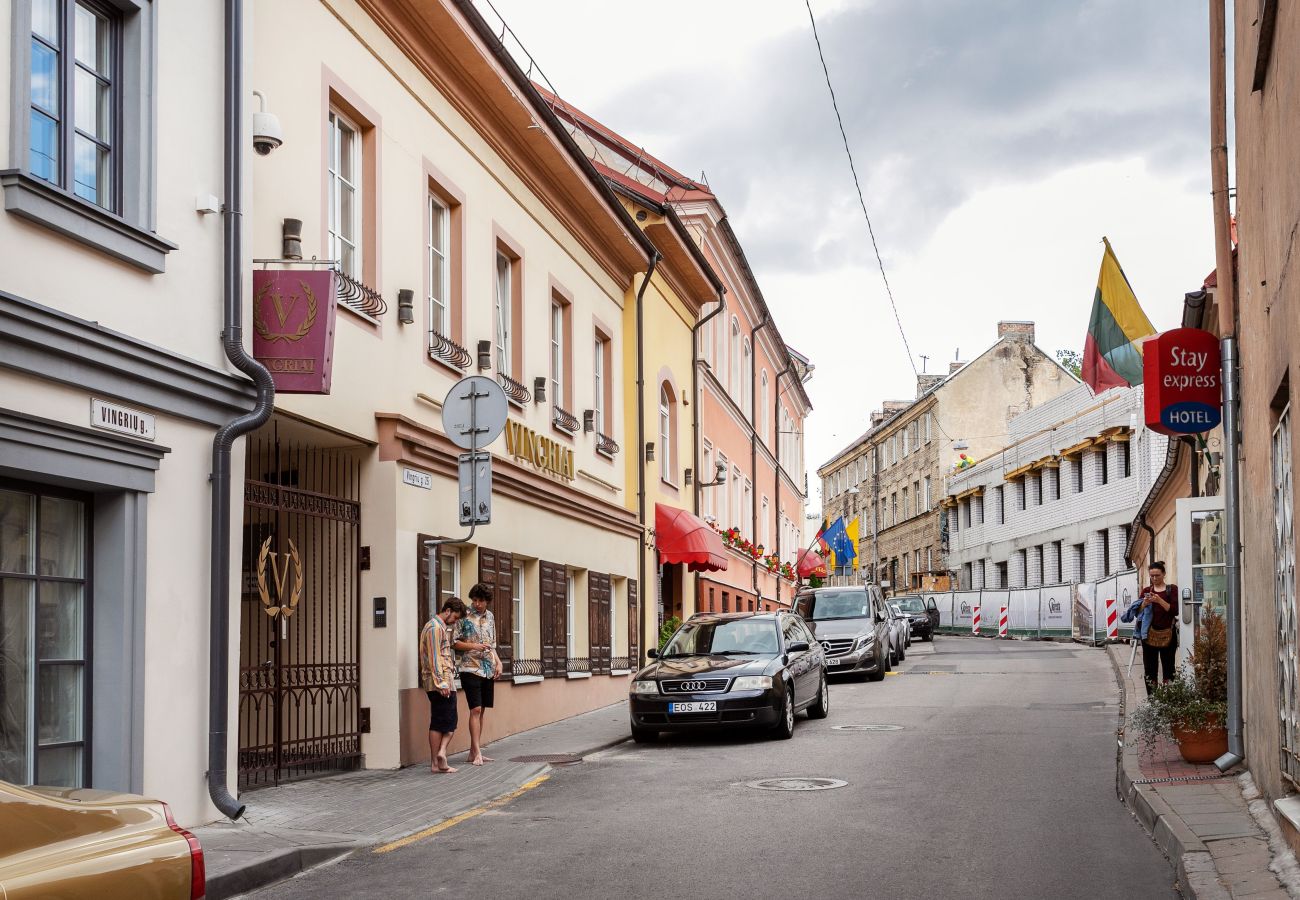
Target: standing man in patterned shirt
479,666
437,677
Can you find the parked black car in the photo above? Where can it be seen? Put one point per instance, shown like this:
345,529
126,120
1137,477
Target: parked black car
738,669
923,613
852,625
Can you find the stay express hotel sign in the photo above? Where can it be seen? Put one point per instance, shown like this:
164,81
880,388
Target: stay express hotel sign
1181,372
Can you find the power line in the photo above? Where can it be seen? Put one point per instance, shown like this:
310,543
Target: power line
861,202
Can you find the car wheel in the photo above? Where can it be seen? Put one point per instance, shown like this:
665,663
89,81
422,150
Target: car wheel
644,735
881,667
822,707
785,725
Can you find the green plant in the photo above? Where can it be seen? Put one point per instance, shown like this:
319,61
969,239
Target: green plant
1197,698
667,630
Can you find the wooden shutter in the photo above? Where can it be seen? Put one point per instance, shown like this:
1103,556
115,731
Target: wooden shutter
422,606
633,625
497,571
598,596
554,621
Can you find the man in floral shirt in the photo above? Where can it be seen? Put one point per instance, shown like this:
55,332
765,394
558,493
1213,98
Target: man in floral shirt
437,677
479,666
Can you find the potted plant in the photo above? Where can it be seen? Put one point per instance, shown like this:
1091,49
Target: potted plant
1193,707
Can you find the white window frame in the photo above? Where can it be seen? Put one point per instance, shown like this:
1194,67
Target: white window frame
557,353
439,299
734,386
598,384
747,373
665,435
723,511
766,526
517,609
452,559
503,312
570,613
706,497
765,428
341,234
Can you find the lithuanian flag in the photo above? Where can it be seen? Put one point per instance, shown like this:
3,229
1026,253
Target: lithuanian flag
1112,353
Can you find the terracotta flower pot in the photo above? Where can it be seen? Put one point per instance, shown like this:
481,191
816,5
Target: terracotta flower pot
1204,746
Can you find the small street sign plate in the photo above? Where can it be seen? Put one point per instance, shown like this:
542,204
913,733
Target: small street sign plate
474,498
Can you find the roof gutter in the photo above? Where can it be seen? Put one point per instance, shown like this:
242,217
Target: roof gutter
640,429
232,338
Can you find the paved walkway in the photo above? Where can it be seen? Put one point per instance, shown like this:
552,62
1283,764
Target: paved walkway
295,826
1196,814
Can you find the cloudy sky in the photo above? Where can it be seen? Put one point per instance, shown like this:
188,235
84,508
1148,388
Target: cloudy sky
996,141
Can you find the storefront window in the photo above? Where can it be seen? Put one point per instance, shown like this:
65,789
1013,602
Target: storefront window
43,635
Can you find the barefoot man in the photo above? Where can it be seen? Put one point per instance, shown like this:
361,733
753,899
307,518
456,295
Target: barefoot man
479,665
437,677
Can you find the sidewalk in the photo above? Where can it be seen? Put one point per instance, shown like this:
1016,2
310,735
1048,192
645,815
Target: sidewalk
1196,814
296,826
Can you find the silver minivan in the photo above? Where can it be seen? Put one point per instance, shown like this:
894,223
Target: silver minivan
852,625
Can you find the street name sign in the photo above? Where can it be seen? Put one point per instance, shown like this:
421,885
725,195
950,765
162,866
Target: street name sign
1181,378
122,419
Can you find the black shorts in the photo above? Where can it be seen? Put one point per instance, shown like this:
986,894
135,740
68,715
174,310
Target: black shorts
478,690
442,712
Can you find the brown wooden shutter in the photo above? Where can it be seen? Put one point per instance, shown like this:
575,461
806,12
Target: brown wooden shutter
554,631
598,594
422,610
633,625
497,571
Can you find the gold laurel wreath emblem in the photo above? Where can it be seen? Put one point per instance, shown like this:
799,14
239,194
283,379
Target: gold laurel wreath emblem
293,558
259,317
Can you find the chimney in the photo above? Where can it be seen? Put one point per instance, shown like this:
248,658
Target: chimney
896,406
1021,331
926,382
954,366
877,417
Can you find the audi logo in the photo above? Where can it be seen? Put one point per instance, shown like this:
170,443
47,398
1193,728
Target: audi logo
694,685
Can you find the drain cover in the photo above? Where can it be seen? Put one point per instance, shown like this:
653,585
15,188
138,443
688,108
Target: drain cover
796,784
555,759
867,727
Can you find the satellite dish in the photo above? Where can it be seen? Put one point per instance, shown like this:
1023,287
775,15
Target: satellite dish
478,400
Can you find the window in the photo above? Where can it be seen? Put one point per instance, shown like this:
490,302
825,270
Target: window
1038,488
1126,459
44,621
439,274
929,559
1056,483
1105,551
557,353
721,492
569,617
1076,473
503,318
738,501
926,494
928,417
765,536
344,194
747,527
1103,468
906,511
667,430
601,350
1022,489
904,439
734,385
517,608
706,474
747,377
893,519
765,420
448,578
1000,573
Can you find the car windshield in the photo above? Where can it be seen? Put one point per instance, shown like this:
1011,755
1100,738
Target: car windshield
910,605
728,637
850,604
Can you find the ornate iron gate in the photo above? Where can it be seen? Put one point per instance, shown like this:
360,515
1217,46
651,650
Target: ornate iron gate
1284,596
299,665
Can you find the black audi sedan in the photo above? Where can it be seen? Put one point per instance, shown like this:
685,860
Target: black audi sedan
731,670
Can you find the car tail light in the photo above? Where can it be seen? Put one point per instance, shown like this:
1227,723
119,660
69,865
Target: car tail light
198,872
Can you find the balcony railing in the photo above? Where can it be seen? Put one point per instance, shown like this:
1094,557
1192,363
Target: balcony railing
578,665
514,390
444,348
606,444
359,297
527,667
565,421
620,662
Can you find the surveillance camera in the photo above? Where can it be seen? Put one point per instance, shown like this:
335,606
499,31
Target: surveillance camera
267,134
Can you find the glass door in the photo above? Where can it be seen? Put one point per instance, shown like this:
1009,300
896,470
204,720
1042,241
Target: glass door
1200,573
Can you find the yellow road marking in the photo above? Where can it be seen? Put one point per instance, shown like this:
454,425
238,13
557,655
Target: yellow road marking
893,673
456,820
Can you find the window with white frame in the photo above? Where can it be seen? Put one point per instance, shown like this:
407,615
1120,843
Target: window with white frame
747,527
928,417
706,496
734,386
925,486
666,445
439,273
738,498
906,432
598,382
517,610
764,416
721,494
503,313
747,377
766,526
557,353
344,194
570,616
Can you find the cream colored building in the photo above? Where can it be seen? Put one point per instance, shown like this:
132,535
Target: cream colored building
471,237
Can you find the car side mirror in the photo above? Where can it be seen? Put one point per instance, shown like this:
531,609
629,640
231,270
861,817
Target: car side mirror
796,646
652,653
880,617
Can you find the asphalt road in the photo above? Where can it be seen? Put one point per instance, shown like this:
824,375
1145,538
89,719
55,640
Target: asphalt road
998,784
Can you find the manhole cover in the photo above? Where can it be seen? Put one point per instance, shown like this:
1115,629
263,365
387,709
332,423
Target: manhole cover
796,784
867,727
555,759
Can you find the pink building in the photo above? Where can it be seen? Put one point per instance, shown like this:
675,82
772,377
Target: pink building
748,397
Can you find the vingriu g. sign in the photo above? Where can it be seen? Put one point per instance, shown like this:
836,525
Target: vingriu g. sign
1181,378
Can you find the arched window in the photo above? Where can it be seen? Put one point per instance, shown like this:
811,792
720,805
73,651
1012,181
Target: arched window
747,378
667,433
735,358
764,416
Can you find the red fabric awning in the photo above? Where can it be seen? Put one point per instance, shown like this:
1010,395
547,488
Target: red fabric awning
683,538
811,563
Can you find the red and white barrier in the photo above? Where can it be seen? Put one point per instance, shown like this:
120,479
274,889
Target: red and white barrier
1112,620
975,621
1002,621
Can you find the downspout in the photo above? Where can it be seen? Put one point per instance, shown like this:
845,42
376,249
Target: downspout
640,429
776,477
695,409
753,441
1227,303
232,338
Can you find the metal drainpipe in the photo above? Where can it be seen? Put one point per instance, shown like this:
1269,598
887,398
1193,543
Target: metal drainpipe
640,430
232,338
776,478
1232,569
695,411
1151,535
753,440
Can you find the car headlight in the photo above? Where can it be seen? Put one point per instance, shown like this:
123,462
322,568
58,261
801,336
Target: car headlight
752,683
865,642
645,687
